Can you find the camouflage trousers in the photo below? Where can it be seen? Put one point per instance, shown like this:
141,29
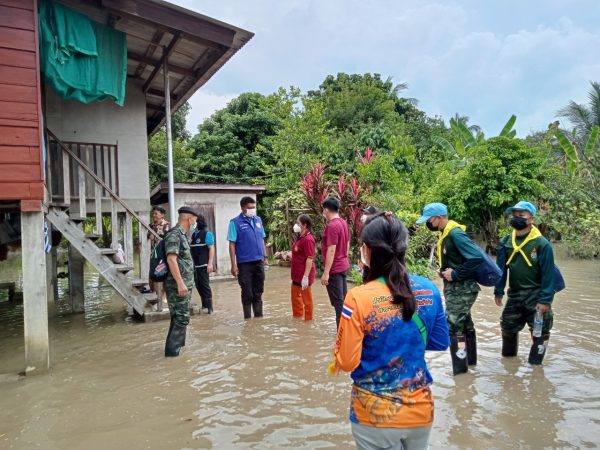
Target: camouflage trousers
460,297
520,310
179,307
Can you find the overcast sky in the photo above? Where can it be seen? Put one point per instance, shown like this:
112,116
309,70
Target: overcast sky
485,59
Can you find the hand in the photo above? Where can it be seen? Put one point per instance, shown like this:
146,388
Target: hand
234,270
440,274
498,300
325,279
182,290
210,268
304,283
447,274
543,308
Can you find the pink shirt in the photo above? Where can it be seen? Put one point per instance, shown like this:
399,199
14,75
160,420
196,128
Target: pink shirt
336,233
305,247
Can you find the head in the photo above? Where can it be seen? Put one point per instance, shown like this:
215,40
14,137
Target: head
522,215
201,222
187,218
368,212
435,216
331,208
385,241
158,214
248,205
303,224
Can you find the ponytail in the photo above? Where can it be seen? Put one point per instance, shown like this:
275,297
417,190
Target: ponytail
387,238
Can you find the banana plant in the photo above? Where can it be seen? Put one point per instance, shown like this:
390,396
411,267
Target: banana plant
570,150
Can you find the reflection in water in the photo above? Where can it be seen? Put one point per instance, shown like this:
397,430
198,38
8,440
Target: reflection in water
262,384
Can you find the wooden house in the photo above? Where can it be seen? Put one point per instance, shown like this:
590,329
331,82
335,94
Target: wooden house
62,160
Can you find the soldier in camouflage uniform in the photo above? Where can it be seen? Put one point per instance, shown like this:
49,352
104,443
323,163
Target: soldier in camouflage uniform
458,259
180,279
527,261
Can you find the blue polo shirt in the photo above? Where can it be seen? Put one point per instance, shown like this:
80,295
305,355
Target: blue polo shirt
248,235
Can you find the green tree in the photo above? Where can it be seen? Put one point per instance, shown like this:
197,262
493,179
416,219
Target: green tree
184,164
179,122
498,172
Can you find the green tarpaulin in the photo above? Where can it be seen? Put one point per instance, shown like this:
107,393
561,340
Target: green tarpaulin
81,59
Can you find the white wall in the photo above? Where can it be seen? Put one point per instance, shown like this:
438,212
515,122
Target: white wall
227,206
107,123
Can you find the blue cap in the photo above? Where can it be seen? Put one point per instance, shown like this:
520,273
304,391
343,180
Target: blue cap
431,210
523,206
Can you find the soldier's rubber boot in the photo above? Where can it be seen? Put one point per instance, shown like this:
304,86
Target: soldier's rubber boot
258,309
209,306
471,339
510,343
247,311
458,354
175,340
538,349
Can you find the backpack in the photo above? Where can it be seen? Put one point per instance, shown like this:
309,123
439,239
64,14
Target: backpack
159,269
488,273
559,281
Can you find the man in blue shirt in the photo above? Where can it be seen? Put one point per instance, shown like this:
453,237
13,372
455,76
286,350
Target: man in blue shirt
247,252
203,252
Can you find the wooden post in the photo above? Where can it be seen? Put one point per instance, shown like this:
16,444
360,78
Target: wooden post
76,279
144,247
114,225
82,192
66,163
35,303
128,240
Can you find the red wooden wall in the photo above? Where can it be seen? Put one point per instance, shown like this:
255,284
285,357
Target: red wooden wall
21,164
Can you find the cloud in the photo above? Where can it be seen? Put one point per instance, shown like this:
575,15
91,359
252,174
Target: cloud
204,104
486,60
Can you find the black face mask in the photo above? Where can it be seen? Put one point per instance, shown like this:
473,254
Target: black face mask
518,223
430,226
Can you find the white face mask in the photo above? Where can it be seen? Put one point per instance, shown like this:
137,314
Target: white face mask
297,228
251,212
364,218
362,257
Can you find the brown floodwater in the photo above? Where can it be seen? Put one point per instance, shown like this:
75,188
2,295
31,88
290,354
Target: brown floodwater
262,383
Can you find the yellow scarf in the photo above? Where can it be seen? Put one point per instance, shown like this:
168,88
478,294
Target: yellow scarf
449,227
533,234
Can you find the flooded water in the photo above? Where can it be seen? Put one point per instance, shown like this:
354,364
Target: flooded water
262,384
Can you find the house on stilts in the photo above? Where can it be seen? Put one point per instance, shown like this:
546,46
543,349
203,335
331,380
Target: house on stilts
83,85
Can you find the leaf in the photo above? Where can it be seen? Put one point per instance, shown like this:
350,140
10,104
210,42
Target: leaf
444,144
466,135
512,134
508,127
567,146
592,142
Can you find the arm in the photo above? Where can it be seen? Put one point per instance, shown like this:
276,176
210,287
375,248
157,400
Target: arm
546,262
182,289
501,262
234,268
348,346
470,251
329,256
211,258
438,338
265,252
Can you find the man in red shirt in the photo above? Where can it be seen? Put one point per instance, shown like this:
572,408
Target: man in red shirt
335,247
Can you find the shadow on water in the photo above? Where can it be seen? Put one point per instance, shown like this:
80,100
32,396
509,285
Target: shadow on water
262,384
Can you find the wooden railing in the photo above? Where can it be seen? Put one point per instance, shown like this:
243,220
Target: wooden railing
87,180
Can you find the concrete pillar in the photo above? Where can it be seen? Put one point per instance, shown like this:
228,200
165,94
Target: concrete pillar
76,280
35,303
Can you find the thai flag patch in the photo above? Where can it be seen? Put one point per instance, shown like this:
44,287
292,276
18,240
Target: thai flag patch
347,312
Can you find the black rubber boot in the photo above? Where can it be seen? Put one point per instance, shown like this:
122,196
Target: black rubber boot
459,355
175,340
538,350
247,311
510,343
209,306
258,310
471,339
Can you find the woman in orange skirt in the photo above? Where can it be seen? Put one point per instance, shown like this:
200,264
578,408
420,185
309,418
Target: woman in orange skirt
303,268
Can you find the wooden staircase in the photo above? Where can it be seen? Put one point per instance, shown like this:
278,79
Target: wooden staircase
67,217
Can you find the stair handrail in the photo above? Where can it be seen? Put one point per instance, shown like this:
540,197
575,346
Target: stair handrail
98,180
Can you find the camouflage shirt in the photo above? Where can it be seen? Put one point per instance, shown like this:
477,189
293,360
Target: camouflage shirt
176,242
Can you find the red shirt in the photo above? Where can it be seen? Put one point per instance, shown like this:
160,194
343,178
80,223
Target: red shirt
305,247
337,233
